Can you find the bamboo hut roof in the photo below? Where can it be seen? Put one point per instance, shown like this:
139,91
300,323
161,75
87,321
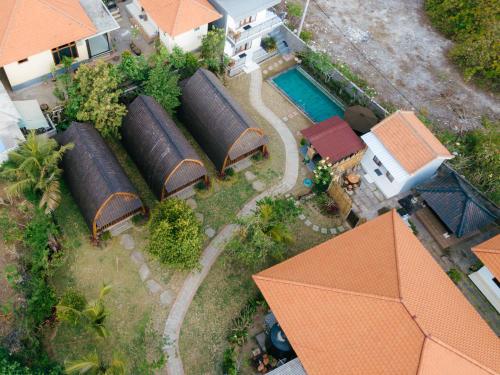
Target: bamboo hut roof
97,182
164,156
216,120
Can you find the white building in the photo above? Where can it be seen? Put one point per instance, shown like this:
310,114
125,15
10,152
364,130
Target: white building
401,154
246,23
35,35
181,23
487,278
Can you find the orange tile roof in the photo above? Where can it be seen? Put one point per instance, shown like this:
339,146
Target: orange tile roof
489,253
178,16
28,27
409,141
374,301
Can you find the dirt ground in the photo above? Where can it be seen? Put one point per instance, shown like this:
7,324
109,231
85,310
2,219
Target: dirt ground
393,46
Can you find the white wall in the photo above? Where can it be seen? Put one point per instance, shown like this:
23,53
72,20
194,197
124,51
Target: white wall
388,188
38,65
191,40
483,279
423,174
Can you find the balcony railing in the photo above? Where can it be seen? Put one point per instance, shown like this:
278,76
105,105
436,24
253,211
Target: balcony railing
239,37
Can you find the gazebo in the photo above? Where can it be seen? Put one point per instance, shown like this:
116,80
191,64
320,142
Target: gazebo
217,122
96,180
164,156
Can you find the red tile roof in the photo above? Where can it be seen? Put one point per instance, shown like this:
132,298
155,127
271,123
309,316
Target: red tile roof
374,301
28,27
333,138
179,16
409,141
489,253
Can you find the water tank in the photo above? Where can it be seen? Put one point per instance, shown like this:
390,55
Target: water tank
278,345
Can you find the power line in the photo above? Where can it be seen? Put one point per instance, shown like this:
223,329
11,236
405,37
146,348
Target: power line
332,22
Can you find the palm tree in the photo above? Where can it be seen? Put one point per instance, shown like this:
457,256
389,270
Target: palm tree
94,314
93,364
35,166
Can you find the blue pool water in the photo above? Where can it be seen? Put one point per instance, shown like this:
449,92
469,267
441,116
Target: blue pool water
307,96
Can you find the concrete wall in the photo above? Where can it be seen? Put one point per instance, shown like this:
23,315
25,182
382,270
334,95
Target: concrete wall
191,40
38,66
423,174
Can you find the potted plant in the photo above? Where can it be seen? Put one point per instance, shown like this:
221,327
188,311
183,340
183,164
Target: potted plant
134,34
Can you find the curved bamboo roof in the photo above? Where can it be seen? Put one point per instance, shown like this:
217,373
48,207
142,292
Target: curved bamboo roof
96,180
217,121
164,156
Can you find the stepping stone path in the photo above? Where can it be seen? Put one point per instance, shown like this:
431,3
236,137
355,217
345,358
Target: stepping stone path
210,232
153,286
199,217
242,165
144,272
249,176
302,217
259,186
308,223
166,298
192,203
324,230
127,241
137,257
315,228
333,231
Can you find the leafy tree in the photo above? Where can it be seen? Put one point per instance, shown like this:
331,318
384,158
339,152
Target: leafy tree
186,63
175,234
92,314
133,68
75,301
162,85
34,166
94,364
212,50
473,26
94,96
266,233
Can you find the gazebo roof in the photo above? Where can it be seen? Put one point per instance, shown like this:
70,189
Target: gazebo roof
333,138
164,156
458,204
216,120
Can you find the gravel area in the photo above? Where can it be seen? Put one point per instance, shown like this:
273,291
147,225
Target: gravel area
393,46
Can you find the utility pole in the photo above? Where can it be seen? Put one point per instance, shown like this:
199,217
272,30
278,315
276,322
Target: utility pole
303,18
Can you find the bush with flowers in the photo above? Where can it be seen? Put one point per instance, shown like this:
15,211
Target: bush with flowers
323,174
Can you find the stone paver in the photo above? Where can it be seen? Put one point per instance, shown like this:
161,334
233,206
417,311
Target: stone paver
127,241
144,272
210,232
166,297
199,216
242,165
324,230
308,223
137,257
302,217
153,286
315,228
249,176
258,185
210,254
340,229
192,203
333,230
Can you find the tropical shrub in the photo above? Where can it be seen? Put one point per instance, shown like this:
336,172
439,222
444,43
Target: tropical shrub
75,301
266,233
94,97
175,234
322,175
185,63
212,50
306,35
95,364
34,167
162,84
269,43
473,26
133,68
294,13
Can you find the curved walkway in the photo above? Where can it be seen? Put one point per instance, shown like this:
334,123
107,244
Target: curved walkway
193,281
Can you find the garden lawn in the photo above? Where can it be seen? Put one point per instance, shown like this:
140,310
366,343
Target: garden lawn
220,298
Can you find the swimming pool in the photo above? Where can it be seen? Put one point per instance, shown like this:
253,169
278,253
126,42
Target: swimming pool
313,100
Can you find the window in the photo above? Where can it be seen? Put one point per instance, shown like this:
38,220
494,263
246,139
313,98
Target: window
66,50
389,176
378,172
22,61
246,20
243,47
98,45
197,29
495,280
376,161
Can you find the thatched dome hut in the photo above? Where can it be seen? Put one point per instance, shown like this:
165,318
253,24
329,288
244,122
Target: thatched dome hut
164,156
96,180
218,123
